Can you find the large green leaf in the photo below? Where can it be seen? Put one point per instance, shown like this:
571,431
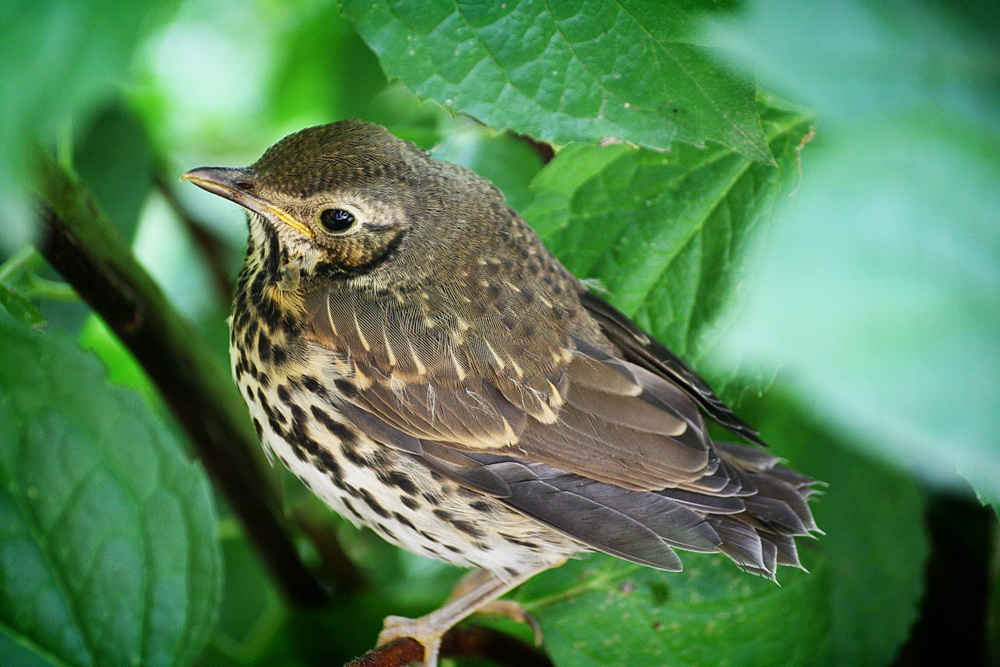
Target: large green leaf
880,292
568,71
672,238
602,612
876,543
323,71
854,607
115,161
507,161
858,58
667,234
108,553
59,59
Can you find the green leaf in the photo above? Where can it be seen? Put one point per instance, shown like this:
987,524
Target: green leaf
876,542
506,161
552,190
20,308
880,293
108,553
122,367
66,56
571,71
323,70
854,607
673,239
859,58
880,290
602,611
668,235
115,161
251,608
13,654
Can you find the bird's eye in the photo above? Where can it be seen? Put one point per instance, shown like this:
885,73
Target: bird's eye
337,220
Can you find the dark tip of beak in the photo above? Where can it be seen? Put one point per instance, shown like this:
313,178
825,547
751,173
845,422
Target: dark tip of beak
226,182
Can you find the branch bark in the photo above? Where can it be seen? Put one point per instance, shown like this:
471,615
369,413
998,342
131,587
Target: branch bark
92,256
472,641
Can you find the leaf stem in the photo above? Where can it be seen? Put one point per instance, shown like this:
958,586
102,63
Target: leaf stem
51,290
17,262
621,570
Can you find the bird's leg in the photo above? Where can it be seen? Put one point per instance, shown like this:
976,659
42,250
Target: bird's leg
507,608
428,630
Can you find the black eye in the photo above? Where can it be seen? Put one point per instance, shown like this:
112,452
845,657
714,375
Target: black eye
337,219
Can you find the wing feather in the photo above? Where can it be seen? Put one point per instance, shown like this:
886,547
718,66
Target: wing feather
603,442
647,352
583,409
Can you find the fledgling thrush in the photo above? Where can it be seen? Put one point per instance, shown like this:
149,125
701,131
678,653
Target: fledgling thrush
414,354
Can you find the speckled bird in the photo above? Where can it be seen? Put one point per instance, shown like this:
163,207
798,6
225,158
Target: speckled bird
413,353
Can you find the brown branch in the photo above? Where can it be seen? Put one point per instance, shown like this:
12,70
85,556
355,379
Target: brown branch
472,641
91,255
337,566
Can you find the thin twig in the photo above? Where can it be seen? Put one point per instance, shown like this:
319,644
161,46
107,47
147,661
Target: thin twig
17,262
213,249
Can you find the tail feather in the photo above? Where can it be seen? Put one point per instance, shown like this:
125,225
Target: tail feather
775,515
755,523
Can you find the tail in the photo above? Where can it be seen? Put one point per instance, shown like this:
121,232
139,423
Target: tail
750,508
775,511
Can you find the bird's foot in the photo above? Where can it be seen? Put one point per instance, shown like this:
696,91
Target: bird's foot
507,608
429,634
515,612
422,630
475,592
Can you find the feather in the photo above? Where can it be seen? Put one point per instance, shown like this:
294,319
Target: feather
645,351
596,525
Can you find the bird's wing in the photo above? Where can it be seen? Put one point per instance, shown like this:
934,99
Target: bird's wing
580,409
644,350
601,448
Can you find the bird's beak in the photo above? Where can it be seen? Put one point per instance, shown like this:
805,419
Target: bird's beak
234,185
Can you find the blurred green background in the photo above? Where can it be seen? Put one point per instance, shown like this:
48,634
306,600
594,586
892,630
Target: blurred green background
801,199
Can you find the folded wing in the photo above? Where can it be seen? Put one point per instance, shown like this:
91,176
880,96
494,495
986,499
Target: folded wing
609,448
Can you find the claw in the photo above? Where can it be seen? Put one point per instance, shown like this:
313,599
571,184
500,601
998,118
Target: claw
477,592
418,629
515,612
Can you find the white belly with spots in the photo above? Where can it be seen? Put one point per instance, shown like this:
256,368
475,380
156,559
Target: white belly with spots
393,494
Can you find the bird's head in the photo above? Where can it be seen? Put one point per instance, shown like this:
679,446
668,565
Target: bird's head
349,200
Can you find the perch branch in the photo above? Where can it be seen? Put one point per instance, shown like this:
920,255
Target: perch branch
473,641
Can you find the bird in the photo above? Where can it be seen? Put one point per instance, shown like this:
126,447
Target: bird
413,353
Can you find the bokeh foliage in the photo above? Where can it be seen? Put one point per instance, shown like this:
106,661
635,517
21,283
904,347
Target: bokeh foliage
829,259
